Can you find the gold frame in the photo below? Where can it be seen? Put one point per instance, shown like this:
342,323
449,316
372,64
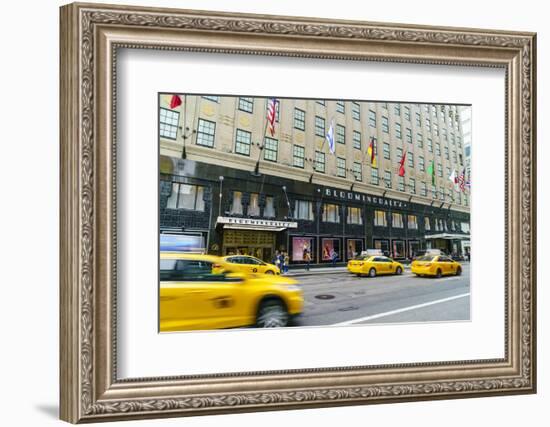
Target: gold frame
90,36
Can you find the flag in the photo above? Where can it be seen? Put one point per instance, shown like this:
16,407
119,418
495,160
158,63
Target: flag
462,180
175,101
371,153
271,115
402,164
330,138
431,171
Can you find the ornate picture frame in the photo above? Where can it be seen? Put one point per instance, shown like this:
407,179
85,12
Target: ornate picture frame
90,37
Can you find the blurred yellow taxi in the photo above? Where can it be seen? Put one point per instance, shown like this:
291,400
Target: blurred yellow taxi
200,292
435,265
374,265
249,264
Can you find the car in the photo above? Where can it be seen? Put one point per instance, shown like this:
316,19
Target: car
249,264
374,265
200,292
436,266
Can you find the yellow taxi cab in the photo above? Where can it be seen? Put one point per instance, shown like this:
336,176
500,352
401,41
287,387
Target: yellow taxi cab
200,292
435,265
374,265
249,264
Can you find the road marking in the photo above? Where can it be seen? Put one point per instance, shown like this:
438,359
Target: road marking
400,310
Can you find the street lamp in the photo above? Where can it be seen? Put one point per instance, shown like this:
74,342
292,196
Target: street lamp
287,201
221,192
184,136
256,171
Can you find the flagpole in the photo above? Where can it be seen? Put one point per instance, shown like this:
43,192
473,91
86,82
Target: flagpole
261,145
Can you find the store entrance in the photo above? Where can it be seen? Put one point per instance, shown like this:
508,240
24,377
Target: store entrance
259,244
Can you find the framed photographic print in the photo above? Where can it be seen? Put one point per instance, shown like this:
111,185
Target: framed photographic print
267,212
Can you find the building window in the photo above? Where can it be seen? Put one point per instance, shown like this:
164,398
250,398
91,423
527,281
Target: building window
357,171
387,151
269,210
436,129
185,196
427,226
355,111
412,185
212,98
434,192
397,109
423,189
442,195
341,167
303,210
407,113
340,107
168,121
384,105
421,164
401,183
453,141
385,125
380,219
446,151
320,102
242,142
428,125
396,220
460,159
412,223
444,133
299,119
319,126
372,119
430,145
330,213
419,140
442,112
246,104
354,216
387,178
340,134
237,205
271,148
398,134
399,152
454,156
458,198
448,171
374,176
410,159
465,227
254,205
205,133
299,156
437,149
439,170
434,110
320,162
356,139
418,121
409,135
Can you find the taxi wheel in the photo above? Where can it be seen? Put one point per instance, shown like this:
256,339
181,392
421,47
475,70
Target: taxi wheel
272,314
398,271
438,274
372,272
458,271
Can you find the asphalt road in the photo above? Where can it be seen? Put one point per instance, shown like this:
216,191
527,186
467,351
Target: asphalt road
343,298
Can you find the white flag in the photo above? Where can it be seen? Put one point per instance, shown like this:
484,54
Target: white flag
330,138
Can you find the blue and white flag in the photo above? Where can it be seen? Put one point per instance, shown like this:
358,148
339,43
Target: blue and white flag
330,138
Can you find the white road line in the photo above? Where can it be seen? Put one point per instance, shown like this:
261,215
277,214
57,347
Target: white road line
400,310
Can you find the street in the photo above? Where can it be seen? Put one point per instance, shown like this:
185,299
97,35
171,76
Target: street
345,299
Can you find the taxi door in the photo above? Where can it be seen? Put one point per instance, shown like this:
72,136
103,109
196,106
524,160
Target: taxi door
387,265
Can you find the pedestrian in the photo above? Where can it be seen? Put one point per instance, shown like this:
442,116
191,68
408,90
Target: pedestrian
285,262
334,257
307,258
277,260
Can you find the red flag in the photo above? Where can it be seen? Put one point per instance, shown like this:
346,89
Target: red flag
175,101
402,164
271,114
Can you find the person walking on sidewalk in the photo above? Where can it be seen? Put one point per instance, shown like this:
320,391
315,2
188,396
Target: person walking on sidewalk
333,257
307,258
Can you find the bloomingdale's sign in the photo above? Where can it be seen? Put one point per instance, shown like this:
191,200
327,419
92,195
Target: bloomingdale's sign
360,197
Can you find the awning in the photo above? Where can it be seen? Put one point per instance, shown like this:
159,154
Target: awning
448,236
253,224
